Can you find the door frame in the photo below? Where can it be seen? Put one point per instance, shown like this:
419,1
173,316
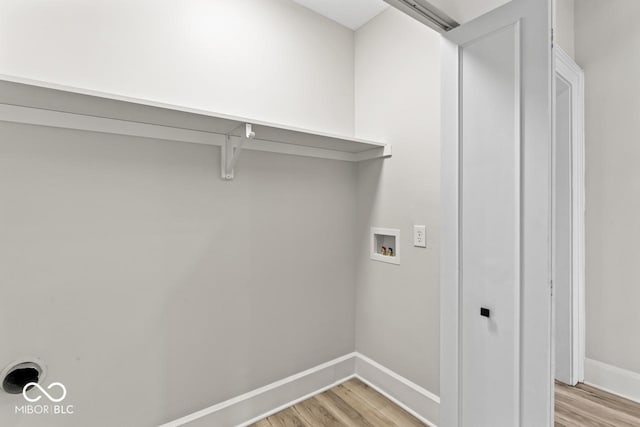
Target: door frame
569,71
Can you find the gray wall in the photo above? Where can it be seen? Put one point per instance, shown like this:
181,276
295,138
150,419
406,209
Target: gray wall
150,287
398,99
135,260
607,40
272,60
564,25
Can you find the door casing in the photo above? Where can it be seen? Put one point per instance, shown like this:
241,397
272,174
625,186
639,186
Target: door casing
569,71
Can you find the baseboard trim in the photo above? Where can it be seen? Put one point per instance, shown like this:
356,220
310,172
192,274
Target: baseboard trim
612,379
414,399
249,407
246,409
293,402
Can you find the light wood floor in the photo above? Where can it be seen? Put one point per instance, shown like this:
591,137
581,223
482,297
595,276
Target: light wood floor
585,406
351,404
355,404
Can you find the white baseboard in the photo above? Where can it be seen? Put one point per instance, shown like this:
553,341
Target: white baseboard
414,399
250,407
612,379
246,409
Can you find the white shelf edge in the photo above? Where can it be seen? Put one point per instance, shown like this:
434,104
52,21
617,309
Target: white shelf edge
91,123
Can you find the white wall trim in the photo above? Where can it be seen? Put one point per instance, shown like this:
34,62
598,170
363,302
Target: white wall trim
418,401
569,71
421,390
254,405
612,379
293,402
247,408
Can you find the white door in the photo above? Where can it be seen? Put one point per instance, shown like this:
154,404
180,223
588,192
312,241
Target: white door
496,186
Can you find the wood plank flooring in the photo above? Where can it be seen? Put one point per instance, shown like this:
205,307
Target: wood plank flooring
355,404
351,404
586,406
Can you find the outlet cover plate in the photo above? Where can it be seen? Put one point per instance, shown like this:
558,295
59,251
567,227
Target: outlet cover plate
420,236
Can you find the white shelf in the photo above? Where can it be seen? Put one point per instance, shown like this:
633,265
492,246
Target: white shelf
46,104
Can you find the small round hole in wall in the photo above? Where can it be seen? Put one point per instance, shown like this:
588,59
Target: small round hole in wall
18,374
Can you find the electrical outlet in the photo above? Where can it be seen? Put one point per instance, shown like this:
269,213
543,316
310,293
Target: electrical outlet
420,236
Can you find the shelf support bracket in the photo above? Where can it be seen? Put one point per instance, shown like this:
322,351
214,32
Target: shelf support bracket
229,154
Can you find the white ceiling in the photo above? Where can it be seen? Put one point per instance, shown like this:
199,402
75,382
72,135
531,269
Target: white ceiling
350,13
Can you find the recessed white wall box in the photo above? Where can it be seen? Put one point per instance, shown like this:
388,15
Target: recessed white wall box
385,245
420,236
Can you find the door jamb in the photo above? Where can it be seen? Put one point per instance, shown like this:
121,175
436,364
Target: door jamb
567,69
